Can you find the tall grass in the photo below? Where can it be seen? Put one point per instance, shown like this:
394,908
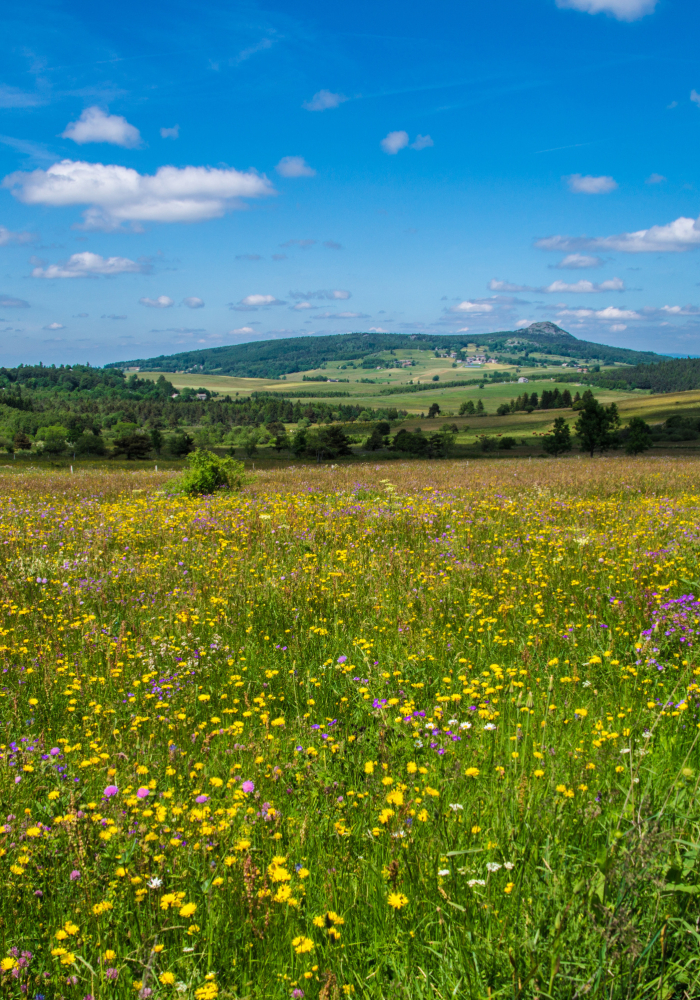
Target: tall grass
338,735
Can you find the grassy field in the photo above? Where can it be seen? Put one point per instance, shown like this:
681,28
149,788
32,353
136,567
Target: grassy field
416,730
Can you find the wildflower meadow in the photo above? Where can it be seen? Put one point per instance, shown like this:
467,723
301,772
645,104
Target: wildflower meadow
417,731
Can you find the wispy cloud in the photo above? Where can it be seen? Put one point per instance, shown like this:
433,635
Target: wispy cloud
294,166
323,293
622,10
324,100
10,302
7,236
193,302
586,184
162,302
675,237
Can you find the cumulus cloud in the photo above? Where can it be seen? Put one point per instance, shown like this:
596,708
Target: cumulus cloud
90,265
323,293
422,142
655,179
119,194
664,311
623,10
609,313
256,301
55,326
192,302
242,329
393,142
300,306
323,100
471,307
586,184
611,285
162,302
294,166
96,126
577,261
10,302
675,237
170,133
7,236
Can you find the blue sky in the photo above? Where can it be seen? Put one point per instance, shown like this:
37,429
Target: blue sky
188,175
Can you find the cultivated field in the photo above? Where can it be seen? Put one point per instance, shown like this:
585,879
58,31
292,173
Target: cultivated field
410,730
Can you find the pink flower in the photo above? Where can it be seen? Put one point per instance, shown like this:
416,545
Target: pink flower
248,787
75,874
111,790
142,793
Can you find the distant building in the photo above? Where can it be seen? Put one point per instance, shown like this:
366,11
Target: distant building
523,379
202,395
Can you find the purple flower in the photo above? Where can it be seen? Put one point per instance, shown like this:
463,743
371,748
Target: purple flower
111,973
297,994
142,793
54,751
341,659
202,798
248,787
75,874
110,790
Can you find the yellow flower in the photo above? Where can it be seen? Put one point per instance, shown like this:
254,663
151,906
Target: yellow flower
582,712
472,772
53,796
369,767
167,978
7,963
476,829
539,773
302,945
509,888
110,955
188,909
397,900
303,873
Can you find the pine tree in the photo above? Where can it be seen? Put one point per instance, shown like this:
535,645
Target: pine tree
640,438
595,427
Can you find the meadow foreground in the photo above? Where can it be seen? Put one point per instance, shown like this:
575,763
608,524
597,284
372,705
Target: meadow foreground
343,736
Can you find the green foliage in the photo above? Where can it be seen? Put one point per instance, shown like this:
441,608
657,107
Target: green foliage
208,473
559,439
595,427
640,438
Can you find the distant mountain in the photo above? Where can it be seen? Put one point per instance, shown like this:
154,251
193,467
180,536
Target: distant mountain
274,358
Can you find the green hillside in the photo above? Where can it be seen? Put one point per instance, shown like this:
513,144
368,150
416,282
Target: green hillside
275,358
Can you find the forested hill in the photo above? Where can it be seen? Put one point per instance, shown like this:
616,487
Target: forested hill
676,375
274,358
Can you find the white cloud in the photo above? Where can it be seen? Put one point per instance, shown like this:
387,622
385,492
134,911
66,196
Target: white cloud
609,313
294,166
7,236
162,302
95,126
611,285
119,194
323,100
170,133
618,327
300,306
422,142
623,10
242,329
575,261
192,302
10,302
695,97
393,142
675,237
256,301
55,326
655,179
506,286
471,307
89,265
324,293
586,184
377,329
